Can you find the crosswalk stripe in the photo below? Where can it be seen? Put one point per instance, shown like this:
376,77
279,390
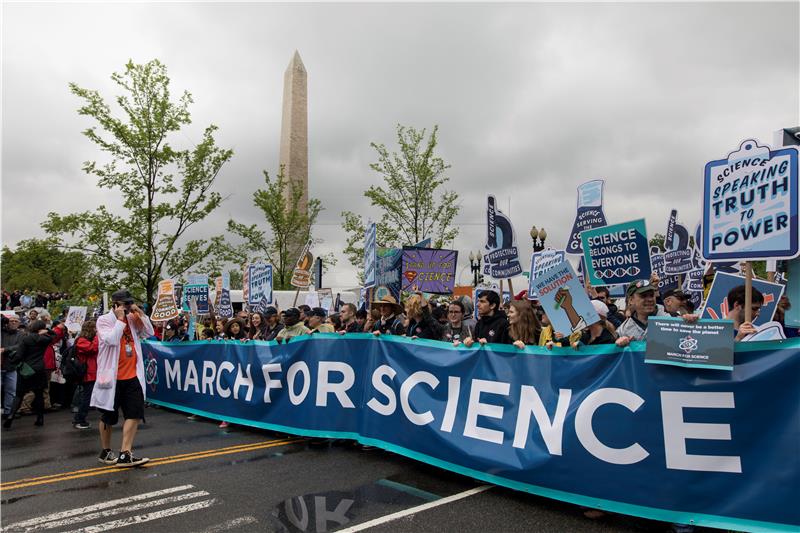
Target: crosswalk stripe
96,507
147,517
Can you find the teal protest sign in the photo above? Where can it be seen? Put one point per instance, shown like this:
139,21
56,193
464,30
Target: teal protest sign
617,254
703,344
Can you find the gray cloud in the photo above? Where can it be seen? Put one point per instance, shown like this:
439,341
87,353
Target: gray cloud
531,99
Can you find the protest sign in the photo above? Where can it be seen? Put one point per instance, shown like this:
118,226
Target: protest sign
325,299
501,260
590,213
246,284
200,295
678,254
225,308
388,271
260,282
424,243
197,279
312,299
564,299
217,290
542,262
165,307
596,427
693,281
750,204
301,275
665,282
769,331
226,280
716,305
703,344
429,270
370,255
76,315
617,254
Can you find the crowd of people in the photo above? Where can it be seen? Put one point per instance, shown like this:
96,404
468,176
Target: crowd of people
26,299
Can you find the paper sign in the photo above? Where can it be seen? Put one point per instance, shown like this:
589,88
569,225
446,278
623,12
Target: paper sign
564,300
301,275
717,301
260,281
370,255
704,344
325,299
429,270
617,254
542,262
693,281
217,290
590,213
750,204
501,260
389,270
225,309
165,307
75,318
197,279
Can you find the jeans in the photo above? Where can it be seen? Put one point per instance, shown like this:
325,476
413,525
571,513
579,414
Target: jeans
83,408
9,389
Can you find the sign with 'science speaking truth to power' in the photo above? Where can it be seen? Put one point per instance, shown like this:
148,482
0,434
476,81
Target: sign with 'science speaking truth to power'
750,204
617,254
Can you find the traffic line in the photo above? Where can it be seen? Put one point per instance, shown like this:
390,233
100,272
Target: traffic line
147,517
415,510
230,524
22,483
96,507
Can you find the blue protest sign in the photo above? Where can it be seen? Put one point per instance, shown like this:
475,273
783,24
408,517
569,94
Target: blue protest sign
501,260
617,254
596,427
694,281
388,271
424,243
260,283
199,293
678,254
716,305
370,255
665,282
225,309
750,204
542,262
590,213
703,344
564,299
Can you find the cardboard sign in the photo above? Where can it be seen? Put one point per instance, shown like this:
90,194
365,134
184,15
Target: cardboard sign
225,308
617,254
217,290
542,262
678,255
750,204
564,299
75,318
260,283
301,275
665,281
198,293
370,255
704,344
501,260
429,270
717,301
389,271
165,307
325,299
590,213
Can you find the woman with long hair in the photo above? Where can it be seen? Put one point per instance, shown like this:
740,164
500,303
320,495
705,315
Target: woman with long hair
32,375
258,327
602,332
524,327
419,321
235,330
86,352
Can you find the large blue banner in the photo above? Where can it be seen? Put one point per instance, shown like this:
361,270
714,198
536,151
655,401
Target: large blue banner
597,427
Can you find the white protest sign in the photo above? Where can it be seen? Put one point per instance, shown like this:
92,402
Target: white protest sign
542,262
75,318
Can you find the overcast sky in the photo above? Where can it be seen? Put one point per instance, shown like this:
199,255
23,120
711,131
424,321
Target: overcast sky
531,100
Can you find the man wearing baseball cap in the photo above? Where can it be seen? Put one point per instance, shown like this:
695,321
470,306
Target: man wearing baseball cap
274,325
120,380
293,326
642,302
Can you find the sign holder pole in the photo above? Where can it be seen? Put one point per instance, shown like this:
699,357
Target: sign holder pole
296,296
501,290
748,291
510,288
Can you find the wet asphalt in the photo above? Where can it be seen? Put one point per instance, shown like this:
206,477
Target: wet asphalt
205,479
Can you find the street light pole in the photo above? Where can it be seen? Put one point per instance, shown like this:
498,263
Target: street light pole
541,234
475,266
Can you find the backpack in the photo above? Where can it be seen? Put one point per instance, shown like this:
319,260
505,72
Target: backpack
71,367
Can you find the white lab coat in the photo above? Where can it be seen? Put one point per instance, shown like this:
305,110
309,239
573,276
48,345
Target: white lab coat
110,331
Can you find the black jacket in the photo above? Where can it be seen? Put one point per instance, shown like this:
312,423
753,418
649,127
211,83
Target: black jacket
426,328
31,349
493,328
605,337
393,326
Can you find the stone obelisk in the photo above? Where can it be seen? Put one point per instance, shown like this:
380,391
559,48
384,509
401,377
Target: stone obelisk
294,128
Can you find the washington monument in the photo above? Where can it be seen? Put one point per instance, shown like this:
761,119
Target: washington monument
294,128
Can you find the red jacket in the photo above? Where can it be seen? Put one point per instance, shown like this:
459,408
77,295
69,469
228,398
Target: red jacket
86,350
50,352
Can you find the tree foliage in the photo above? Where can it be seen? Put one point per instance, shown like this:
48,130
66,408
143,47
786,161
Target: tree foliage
288,229
412,203
165,190
40,265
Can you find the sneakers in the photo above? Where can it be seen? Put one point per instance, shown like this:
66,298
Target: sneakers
127,460
223,425
81,425
107,457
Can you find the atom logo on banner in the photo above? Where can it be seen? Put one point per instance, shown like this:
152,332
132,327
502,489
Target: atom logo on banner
688,344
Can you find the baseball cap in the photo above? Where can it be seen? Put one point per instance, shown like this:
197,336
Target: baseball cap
122,295
639,287
270,311
317,311
292,311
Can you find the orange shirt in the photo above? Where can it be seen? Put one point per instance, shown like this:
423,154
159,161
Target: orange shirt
126,368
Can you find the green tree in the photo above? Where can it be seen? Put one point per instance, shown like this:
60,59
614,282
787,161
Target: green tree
165,190
289,228
413,205
39,264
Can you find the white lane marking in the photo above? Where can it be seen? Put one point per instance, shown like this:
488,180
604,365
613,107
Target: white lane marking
117,510
414,510
147,517
96,507
230,524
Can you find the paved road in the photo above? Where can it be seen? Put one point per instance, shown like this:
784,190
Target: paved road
203,479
